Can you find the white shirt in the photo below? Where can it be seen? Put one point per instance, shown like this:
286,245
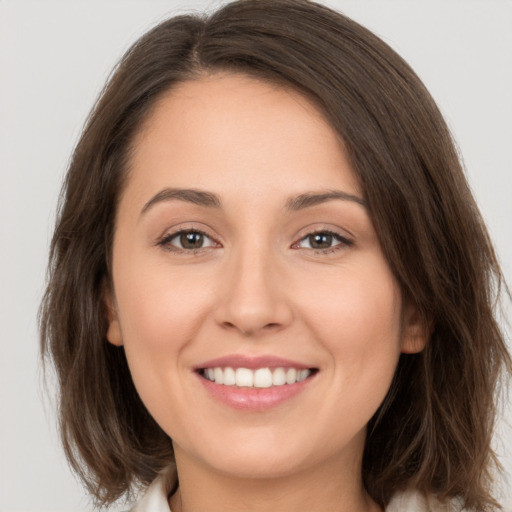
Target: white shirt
155,499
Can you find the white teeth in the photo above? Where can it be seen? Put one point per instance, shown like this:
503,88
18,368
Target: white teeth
244,377
229,377
260,378
303,375
219,376
291,375
278,377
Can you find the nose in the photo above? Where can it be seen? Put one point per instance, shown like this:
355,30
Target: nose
253,298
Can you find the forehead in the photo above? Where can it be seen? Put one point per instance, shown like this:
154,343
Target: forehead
235,128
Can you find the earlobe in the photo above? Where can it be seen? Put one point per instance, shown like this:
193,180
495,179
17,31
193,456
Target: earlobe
113,335
416,331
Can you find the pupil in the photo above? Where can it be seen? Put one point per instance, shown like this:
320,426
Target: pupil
191,240
320,241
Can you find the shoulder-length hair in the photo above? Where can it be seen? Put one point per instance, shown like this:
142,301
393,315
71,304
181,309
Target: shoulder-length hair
433,432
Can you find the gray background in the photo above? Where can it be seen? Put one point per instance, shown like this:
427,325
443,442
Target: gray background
54,59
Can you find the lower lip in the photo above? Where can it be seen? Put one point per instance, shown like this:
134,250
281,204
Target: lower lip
254,399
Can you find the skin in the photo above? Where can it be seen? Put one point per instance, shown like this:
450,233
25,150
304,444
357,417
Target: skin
256,287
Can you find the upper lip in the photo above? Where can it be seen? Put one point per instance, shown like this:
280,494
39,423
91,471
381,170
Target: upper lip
252,363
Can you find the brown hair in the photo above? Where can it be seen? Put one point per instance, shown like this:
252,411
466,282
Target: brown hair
433,432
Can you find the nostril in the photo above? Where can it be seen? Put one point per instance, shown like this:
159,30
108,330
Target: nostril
250,328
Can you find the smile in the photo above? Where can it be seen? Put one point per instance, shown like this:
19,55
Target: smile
255,378
254,383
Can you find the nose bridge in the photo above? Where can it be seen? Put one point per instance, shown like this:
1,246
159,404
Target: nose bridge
253,298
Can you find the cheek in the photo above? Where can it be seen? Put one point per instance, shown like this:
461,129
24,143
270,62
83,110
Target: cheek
359,302
160,312
158,301
356,315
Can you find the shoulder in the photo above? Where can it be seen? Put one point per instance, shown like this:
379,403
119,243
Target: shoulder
413,501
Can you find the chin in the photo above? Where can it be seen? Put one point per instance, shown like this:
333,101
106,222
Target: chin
263,455
260,468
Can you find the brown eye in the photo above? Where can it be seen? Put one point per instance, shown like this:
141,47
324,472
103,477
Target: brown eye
323,241
320,240
187,240
191,240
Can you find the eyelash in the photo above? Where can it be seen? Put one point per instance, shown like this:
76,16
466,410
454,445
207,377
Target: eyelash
165,242
343,241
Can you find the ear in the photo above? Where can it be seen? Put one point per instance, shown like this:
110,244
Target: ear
113,335
415,331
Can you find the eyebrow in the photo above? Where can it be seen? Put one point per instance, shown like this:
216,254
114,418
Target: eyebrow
210,200
188,195
312,199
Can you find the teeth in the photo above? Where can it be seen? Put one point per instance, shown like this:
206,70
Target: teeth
229,377
260,378
219,376
302,375
291,376
278,377
244,377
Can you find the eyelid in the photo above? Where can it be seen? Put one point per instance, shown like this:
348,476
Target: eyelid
344,239
170,234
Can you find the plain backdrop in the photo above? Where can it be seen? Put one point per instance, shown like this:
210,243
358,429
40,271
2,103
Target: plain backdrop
54,59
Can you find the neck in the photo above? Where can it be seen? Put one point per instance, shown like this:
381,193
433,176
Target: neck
326,487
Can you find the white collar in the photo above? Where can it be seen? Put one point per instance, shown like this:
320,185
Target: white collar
156,498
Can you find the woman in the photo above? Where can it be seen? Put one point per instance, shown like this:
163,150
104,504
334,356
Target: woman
269,276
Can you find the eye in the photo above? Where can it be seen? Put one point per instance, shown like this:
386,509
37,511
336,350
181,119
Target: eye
322,241
187,240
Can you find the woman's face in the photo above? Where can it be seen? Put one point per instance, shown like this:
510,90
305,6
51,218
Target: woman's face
244,253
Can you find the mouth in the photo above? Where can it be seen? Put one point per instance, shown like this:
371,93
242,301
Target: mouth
254,383
264,377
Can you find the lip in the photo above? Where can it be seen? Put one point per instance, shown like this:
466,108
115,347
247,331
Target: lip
253,399
252,363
